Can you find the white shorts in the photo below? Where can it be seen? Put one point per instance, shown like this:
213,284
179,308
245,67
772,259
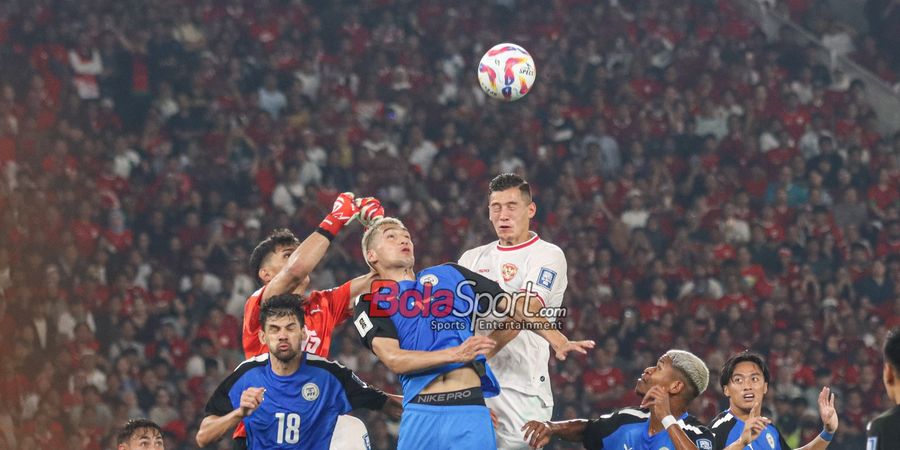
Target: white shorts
350,433
514,409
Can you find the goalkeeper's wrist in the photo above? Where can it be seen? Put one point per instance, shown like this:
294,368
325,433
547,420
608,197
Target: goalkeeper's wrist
331,225
325,233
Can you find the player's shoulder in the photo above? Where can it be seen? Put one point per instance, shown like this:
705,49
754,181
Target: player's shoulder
331,367
548,249
723,420
695,426
248,366
885,420
627,415
481,249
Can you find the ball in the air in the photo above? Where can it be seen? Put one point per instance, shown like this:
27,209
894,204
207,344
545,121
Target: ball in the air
506,72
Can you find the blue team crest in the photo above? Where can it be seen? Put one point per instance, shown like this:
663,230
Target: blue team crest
310,391
704,444
431,279
546,278
770,439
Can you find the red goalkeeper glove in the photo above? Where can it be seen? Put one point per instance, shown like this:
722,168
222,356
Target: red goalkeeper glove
370,210
343,211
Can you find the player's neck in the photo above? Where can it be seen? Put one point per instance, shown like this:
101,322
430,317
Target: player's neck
740,413
286,368
520,239
397,273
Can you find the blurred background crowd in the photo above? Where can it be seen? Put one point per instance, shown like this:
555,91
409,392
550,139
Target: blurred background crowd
712,190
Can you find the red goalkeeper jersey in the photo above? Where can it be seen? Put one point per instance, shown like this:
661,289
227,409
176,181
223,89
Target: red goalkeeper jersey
324,311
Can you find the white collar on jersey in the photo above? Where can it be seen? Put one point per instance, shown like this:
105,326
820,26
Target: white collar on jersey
507,248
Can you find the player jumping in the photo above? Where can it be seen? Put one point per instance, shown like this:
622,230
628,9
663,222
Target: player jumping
519,259
442,365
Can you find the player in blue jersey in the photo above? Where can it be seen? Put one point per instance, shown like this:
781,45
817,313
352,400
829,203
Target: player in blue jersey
745,381
287,399
661,421
420,327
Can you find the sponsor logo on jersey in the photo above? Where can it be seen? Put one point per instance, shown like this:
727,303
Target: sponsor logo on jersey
310,391
704,444
546,278
508,271
872,443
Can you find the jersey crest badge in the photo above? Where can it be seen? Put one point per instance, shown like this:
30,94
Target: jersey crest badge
546,278
704,444
509,271
770,439
310,391
431,279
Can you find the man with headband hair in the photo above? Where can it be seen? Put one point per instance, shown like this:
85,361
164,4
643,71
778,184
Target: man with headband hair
661,421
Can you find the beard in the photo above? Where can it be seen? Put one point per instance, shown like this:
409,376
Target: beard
285,356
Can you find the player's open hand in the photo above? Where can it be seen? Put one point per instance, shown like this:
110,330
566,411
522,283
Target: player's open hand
657,399
537,434
251,398
827,411
472,347
562,351
754,425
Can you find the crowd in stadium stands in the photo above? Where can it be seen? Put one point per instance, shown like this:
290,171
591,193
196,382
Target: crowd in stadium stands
712,191
837,24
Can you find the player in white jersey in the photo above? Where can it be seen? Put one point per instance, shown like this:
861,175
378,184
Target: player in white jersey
519,260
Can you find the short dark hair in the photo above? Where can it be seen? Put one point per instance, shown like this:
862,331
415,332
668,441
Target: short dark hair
279,306
279,238
892,348
747,356
132,426
506,181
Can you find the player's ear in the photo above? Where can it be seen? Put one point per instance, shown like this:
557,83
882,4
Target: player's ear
889,376
262,337
765,388
726,391
264,275
532,210
676,387
371,257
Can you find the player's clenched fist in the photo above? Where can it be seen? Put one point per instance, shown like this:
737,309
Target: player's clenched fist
370,210
343,211
537,434
251,398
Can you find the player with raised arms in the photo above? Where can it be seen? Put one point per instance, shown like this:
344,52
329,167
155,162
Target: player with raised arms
283,264
420,327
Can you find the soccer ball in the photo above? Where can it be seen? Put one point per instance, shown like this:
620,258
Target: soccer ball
506,72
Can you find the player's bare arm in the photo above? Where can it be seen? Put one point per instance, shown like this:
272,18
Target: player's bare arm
403,362
212,428
539,434
560,344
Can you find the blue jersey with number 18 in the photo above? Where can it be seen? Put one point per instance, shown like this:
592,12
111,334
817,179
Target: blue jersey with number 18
298,411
